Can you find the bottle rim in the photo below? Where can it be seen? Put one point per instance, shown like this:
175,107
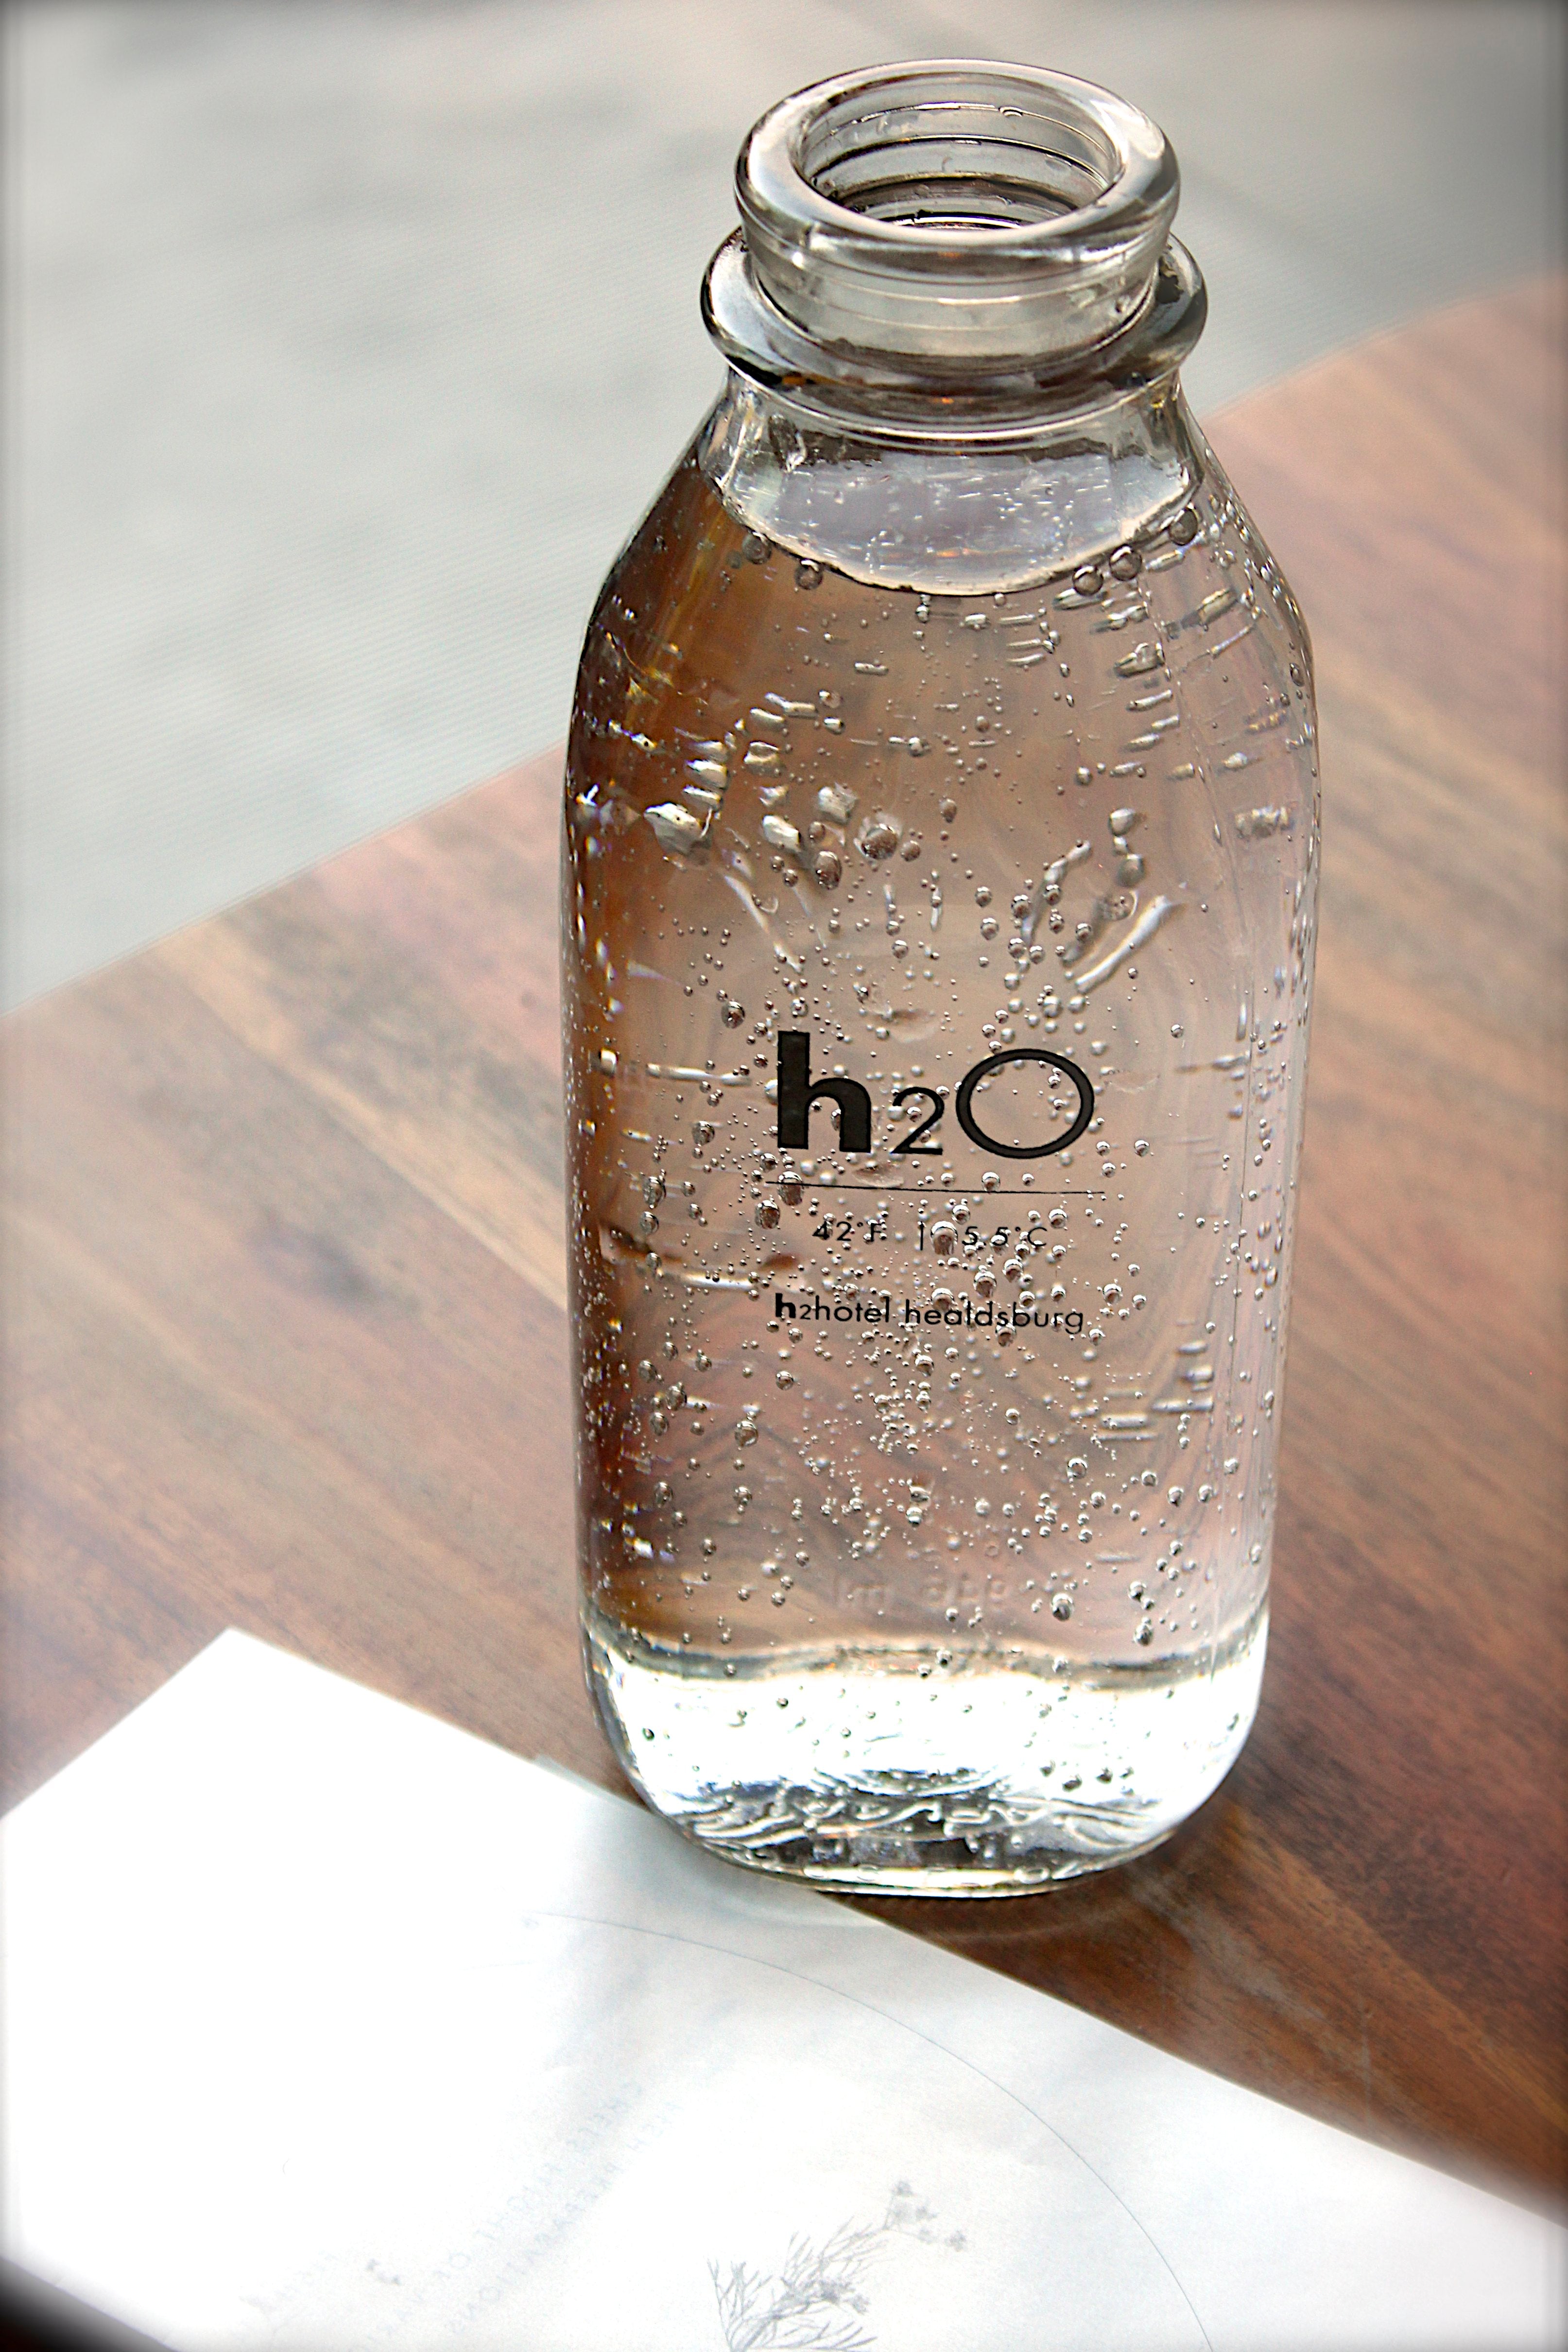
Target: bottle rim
955,215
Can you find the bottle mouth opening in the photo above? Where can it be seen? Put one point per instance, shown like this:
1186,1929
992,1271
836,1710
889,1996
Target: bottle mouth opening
948,161
957,211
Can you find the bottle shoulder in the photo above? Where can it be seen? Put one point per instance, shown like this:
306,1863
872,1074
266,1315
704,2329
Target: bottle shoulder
963,514
742,706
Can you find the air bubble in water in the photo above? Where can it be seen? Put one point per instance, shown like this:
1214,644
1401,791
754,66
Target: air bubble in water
675,828
1142,659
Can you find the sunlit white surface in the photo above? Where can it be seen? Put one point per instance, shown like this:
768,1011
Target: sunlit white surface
326,2025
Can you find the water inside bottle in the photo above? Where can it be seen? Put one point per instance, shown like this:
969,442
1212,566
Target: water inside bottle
936,972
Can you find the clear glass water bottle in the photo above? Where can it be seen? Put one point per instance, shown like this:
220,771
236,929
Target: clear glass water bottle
940,852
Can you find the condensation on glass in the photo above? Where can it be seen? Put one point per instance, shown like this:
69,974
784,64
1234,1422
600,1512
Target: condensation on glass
940,847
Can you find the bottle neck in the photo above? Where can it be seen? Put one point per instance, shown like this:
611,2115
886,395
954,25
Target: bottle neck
953,317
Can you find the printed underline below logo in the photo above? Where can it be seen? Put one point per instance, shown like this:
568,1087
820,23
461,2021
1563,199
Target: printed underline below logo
832,1184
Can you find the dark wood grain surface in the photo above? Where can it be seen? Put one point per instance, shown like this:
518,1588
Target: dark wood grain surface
286,1335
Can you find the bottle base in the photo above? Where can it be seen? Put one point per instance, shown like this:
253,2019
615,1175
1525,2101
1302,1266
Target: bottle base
923,1771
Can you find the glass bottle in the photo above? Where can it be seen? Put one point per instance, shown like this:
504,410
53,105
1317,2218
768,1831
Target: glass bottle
940,852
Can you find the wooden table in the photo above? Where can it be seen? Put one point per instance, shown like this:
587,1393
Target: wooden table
288,1348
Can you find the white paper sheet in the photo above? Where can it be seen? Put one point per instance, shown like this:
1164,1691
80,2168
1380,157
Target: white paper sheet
326,2025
